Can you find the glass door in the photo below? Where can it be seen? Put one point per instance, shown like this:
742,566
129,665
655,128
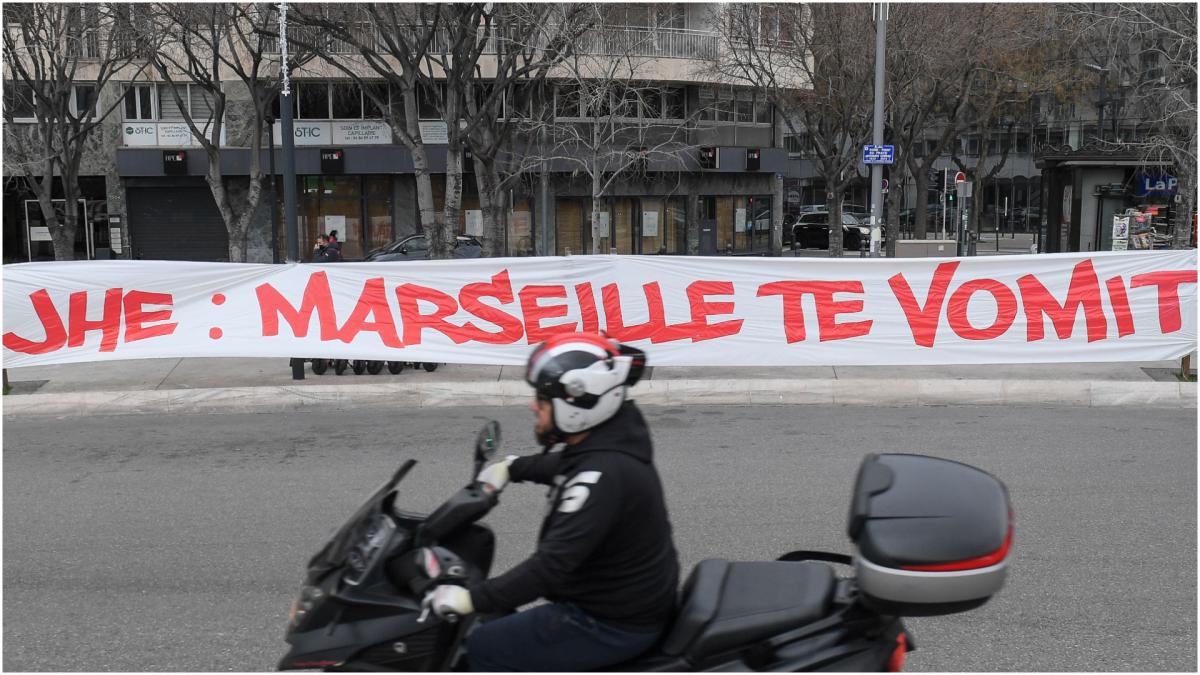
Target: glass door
39,245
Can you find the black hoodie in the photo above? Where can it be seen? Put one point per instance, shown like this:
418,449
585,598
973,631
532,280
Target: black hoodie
605,544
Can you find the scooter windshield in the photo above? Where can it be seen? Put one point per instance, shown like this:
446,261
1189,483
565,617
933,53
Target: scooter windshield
333,554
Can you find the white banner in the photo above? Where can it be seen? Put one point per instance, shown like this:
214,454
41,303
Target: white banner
683,311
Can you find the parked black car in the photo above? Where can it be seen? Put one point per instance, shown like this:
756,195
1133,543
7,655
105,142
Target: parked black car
811,230
416,247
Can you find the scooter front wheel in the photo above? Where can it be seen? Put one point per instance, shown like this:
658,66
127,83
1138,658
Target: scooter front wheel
319,366
374,367
394,367
340,365
358,366
429,367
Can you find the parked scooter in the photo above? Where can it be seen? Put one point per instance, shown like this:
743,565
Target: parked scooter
932,537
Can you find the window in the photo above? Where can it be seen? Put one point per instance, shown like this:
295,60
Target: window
630,99
745,106
801,145
85,100
972,143
373,91
427,105
18,98
139,102
1022,143
762,109
597,102
652,103
708,104
726,111
673,103
313,100
347,101
566,101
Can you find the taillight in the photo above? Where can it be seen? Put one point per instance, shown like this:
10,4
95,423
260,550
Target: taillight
896,661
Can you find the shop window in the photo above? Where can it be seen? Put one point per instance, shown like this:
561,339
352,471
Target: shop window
313,101
570,231
347,101
139,102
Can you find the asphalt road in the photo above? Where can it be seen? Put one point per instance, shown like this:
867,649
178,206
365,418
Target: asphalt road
147,543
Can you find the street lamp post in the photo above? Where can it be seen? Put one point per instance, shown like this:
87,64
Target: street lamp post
289,160
877,131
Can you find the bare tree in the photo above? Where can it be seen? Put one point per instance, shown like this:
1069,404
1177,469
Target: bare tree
528,41
609,124
366,42
820,83
200,45
59,58
1149,59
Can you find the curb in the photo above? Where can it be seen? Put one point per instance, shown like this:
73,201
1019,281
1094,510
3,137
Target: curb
663,392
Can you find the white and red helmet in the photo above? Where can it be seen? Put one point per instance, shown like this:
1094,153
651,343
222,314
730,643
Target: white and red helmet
584,376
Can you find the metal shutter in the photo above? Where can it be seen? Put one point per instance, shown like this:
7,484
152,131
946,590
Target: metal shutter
176,223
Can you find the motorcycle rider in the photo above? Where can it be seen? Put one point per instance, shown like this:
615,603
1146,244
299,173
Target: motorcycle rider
605,557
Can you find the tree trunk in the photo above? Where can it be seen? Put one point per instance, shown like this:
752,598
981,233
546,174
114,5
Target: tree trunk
833,205
441,241
1183,223
425,207
596,201
491,202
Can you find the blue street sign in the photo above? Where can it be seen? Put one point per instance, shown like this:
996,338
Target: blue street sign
879,154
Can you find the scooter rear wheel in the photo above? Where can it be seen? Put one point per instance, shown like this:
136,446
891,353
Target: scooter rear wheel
358,366
340,365
374,367
394,367
319,366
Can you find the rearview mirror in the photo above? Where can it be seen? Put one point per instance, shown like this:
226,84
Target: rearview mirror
487,443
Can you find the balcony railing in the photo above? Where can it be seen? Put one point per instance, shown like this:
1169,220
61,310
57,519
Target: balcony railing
672,43
676,43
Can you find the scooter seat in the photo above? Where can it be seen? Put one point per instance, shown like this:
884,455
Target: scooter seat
729,604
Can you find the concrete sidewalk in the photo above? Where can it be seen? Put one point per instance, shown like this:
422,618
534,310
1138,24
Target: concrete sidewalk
263,385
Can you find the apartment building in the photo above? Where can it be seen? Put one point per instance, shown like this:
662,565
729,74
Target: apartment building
717,192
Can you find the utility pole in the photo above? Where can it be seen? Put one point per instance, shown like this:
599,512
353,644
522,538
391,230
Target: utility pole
880,9
289,160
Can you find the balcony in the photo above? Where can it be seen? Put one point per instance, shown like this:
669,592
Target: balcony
671,43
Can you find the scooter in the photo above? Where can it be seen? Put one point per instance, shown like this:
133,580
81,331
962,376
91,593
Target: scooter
932,537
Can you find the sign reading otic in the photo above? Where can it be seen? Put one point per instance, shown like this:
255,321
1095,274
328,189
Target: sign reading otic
333,160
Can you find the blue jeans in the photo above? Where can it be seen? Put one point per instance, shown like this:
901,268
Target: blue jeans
553,637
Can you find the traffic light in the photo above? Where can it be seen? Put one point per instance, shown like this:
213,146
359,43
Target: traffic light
950,197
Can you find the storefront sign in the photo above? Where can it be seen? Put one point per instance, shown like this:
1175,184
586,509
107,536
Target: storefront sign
176,134
1107,306
175,162
307,133
139,134
1156,186
361,132
649,223
333,160
434,133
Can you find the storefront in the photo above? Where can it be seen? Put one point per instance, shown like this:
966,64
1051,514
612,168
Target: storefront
740,224
27,236
1082,192
628,225
359,208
